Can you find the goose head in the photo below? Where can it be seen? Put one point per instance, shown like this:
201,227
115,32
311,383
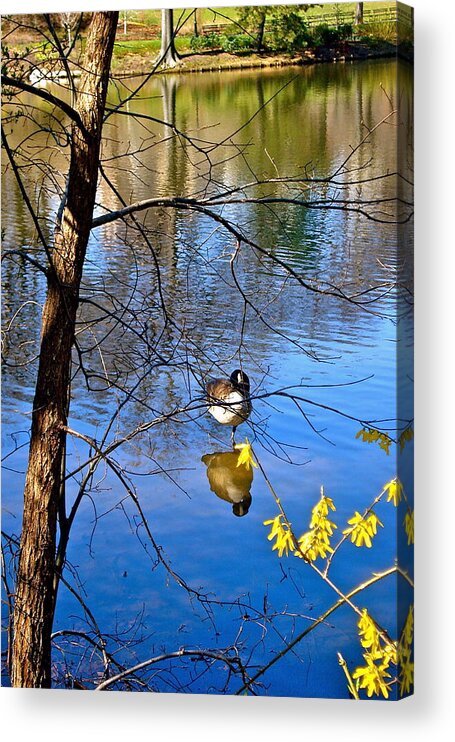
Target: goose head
240,380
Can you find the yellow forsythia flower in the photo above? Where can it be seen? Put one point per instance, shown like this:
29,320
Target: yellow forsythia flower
362,529
316,542
282,533
406,676
390,653
246,456
371,435
276,525
313,544
406,436
408,630
285,543
319,515
372,677
409,526
369,635
395,490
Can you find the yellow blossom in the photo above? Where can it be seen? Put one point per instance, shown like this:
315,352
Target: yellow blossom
319,515
316,542
406,436
408,630
381,653
313,544
369,635
409,526
282,533
395,490
406,677
372,677
371,435
390,653
284,543
246,455
276,526
307,547
362,529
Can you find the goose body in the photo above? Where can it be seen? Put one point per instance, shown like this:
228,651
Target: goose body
229,399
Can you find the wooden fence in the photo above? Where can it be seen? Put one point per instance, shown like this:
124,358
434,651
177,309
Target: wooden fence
393,14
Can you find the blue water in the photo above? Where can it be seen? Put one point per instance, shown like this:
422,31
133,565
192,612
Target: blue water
343,356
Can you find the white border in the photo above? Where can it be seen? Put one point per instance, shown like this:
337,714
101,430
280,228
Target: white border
79,715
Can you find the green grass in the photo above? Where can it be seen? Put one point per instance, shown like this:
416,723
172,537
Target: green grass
122,48
146,46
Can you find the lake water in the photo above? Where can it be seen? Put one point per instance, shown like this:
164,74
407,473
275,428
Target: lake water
148,339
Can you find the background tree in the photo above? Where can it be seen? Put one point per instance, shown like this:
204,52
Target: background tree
168,52
196,22
69,22
287,23
358,14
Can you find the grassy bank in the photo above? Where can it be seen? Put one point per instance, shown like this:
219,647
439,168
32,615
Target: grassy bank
215,42
128,63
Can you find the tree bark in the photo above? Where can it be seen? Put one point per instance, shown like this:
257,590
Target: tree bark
44,494
168,52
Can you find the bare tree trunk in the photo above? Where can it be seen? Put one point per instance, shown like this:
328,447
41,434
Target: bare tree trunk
168,52
359,14
261,31
35,586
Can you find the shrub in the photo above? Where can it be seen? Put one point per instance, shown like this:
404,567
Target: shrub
206,41
289,32
345,31
324,35
237,43
378,31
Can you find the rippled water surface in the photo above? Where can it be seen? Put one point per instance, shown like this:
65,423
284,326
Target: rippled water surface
344,358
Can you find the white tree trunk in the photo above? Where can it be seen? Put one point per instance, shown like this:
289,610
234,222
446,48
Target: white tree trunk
168,53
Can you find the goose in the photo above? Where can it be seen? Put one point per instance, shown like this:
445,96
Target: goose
229,400
229,481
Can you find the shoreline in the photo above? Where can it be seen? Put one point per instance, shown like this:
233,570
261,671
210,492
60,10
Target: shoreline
193,63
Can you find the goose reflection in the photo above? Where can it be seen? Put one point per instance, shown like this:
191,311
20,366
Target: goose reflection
229,481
